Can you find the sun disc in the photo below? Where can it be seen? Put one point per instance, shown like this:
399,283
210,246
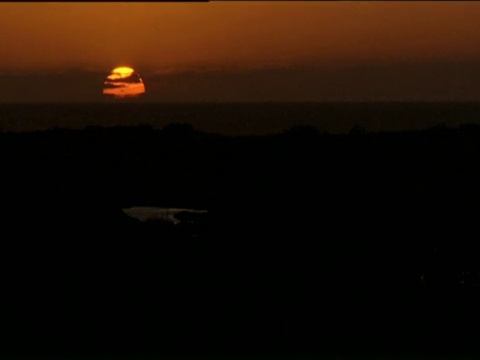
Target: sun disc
123,82
122,72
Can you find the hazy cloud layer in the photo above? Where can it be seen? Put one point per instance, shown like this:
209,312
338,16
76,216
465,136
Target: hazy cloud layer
394,82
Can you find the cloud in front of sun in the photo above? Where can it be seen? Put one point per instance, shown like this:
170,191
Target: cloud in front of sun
123,82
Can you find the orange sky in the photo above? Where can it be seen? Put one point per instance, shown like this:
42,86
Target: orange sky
245,51
172,36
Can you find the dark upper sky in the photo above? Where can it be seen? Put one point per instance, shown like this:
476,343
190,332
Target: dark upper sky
243,51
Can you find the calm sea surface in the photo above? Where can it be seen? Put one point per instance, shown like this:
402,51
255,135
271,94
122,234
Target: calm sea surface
240,118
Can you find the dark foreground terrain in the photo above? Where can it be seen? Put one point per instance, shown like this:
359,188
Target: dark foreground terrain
363,243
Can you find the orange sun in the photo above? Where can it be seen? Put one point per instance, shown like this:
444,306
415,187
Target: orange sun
121,72
123,82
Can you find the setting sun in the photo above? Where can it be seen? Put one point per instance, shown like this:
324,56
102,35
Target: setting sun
121,72
123,82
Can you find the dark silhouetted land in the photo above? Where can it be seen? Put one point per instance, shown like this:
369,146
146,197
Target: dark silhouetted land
314,243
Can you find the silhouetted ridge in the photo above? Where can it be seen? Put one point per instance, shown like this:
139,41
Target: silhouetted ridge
360,242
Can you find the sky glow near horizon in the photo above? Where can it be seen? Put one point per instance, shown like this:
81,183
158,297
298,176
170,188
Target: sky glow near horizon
351,44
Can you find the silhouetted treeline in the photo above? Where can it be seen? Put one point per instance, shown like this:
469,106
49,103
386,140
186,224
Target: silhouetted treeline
363,242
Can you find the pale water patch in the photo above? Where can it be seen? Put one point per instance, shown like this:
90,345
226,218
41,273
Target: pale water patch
158,213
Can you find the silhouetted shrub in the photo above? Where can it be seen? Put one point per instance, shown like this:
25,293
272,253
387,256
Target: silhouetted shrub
178,129
302,132
357,129
469,127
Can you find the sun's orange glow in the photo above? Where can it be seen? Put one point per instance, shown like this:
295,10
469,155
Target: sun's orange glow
123,82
